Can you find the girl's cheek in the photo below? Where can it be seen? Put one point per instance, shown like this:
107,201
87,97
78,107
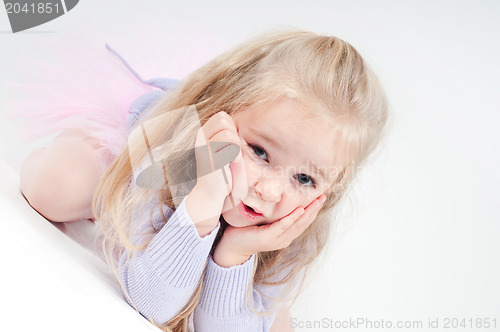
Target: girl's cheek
250,167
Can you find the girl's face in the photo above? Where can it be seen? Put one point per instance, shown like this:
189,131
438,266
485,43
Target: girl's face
290,159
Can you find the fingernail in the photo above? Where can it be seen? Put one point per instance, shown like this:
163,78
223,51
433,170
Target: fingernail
323,199
302,212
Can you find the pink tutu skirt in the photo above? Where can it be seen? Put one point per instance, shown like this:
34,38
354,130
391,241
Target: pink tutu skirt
96,91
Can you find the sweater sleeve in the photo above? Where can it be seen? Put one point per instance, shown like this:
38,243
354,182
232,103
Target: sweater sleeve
161,278
223,304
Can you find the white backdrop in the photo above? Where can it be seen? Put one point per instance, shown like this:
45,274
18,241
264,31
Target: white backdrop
420,242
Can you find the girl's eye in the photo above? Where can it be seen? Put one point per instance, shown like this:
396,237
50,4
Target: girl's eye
303,179
258,151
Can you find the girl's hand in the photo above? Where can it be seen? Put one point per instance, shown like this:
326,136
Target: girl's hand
242,242
219,161
218,175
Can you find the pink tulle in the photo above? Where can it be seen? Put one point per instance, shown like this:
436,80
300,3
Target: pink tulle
74,81
81,85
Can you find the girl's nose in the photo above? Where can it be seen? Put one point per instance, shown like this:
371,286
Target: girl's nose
269,190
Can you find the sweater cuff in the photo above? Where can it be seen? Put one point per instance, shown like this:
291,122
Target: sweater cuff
224,291
177,252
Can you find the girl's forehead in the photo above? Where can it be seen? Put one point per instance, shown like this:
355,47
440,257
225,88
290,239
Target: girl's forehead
292,134
285,117
282,110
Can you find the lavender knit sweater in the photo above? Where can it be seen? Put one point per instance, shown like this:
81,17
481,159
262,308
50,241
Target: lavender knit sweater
162,278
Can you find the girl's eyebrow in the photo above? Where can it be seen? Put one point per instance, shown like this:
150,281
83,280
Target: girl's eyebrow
277,145
319,170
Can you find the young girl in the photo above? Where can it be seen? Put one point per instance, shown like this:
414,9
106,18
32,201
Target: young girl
219,202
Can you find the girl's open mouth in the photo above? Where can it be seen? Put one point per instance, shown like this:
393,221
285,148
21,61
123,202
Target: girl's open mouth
249,213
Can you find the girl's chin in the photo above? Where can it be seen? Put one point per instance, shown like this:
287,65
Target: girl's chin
234,221
237,224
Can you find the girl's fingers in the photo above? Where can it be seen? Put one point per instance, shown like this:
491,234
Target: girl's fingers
281,226
230,157
226,136
217,145
224,153
300,224
217,123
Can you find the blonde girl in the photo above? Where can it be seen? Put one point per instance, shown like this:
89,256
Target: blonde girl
211,221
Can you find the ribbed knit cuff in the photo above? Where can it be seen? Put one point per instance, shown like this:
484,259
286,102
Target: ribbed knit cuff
177,252
225,289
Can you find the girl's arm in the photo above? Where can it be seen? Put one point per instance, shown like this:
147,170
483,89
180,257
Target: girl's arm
162,278
223,304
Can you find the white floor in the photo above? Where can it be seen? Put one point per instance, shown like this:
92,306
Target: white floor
50,280
421,240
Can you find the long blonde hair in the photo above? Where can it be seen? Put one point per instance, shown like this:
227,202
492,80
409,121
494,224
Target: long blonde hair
323,73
